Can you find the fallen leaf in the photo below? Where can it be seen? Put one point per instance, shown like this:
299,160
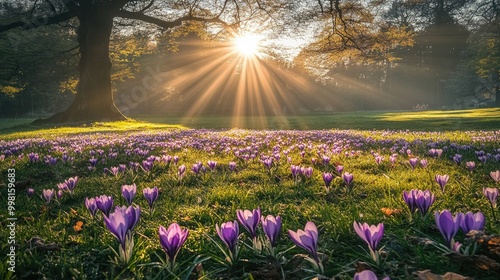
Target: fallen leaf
78,226
478,261
428,275
390,212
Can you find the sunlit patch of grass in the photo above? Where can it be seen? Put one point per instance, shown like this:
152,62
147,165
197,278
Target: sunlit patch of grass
486,114
30,131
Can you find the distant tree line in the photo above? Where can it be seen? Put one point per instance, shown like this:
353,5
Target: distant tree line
397,54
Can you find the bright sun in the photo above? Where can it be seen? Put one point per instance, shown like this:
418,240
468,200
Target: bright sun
247,45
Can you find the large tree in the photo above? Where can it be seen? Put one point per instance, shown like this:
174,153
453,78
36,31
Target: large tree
95,20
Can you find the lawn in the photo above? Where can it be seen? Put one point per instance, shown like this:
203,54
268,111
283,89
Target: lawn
204,176
461,120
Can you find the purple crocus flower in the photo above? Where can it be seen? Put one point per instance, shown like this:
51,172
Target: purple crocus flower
128,192
307,171
413,162
495,175
379,159
122,167
417,199
93,162
232,165
121,222
393,158
424,163
326,160
307,239
30,192
371,234
471,221
457,158
181,171
147,166
435,152
151,195
314,161
448,225
172,239
249,220
268,163
113,170
272,228
456,247
409,199
33,157
91,205
212,164
348,177
166,159
295,171
62,186
327,178
48,194
117,224
71,183
424,200
104,203
442,180
470,165
196,168
365,275
134,165
175,159
339,169
228,233
492,195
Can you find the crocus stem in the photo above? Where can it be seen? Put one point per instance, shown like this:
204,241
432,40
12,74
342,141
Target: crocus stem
493,212
171,264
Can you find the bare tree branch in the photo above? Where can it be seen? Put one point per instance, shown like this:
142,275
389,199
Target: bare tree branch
39,21
170,24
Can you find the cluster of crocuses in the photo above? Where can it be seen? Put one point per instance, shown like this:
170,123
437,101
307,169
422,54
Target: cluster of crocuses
346,177
446,223
105,203
418,199
449,225
307,238
229,232
122,221
66,186
298,171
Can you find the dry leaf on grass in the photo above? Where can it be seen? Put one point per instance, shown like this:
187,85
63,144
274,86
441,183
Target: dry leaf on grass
428,275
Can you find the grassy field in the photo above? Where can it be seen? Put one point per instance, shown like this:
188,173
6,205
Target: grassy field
462,120
61,240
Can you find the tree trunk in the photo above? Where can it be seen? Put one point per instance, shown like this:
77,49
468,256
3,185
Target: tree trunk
496,87
94,98
497,96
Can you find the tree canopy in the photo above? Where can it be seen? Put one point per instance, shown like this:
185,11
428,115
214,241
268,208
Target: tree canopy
410,52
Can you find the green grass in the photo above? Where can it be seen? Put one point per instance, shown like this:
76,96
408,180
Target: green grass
486,119
452,120
200,202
